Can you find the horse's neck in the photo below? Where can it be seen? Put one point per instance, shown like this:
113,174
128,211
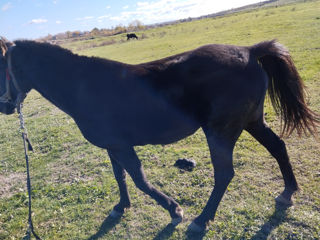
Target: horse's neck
51,79
64,82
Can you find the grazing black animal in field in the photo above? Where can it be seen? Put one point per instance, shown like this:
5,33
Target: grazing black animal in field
131,35
219,88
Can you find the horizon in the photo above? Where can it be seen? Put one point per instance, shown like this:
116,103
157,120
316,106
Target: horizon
32,19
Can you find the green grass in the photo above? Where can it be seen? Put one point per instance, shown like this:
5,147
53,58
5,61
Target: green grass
73,186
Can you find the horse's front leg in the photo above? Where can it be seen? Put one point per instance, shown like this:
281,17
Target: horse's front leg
120,175
127,159
221,149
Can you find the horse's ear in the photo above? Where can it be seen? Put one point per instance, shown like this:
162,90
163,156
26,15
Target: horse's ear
3,47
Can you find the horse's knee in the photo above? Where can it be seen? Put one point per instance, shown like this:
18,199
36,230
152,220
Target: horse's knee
224,177
279,143
228,175
279,151
282,146
142,184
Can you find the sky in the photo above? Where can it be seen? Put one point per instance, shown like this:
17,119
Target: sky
30,19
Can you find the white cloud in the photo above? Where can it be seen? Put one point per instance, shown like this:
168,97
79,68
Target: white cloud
55,2
38,21
104,16
108,7
58,22
116,18
84,18
140,4
6,6
167,10
125,7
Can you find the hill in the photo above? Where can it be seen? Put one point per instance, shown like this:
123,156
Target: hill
73,185
136,25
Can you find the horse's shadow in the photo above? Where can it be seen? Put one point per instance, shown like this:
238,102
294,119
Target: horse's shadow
105,227
165,233
110,222
279,215
195,236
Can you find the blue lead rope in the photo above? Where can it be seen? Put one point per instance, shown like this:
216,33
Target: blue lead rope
25,142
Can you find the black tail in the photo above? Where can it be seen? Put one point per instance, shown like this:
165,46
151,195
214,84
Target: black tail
286,89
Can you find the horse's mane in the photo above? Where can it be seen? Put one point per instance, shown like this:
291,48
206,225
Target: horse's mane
38,47
58,52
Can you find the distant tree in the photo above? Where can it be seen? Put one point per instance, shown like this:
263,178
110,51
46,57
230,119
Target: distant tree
48,37
106,32
61,36
68,34
76,34
120,29
95,32
135,25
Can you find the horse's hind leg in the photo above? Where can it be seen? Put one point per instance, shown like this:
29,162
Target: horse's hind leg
120,175
221,148
264,135
127,158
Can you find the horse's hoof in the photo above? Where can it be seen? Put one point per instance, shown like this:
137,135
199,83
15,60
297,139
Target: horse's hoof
282,200
193,227
115,214
177,220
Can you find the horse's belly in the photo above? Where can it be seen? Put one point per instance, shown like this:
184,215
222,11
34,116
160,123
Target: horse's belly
165,134
160,127
141,127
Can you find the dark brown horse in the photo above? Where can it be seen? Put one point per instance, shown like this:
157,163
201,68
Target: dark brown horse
218,88
131,35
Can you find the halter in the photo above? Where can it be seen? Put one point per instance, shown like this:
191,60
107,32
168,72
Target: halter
6,98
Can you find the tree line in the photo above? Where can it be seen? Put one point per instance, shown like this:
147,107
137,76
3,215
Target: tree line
135,25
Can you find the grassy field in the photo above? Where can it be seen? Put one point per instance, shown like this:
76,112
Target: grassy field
73,186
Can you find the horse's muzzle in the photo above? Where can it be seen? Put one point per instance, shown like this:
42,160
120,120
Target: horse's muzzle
7,108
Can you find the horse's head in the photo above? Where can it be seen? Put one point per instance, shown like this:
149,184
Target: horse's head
8,93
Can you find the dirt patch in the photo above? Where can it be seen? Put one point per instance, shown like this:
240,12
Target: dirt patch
11,184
